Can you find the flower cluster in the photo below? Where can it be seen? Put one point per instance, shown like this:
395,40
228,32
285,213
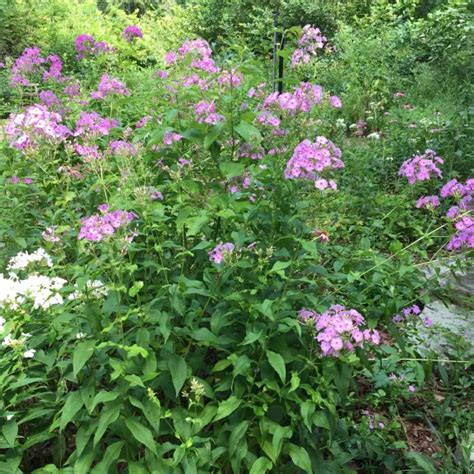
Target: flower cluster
31,63
310,159
429,202
35,124
201,52
408,312
421,167
464,236
302,99
23,259
97,227
122,148
108,86
92,289
339,328
39,289
87,152
49,98
93,125
206,113
17,180
87,46
171,137
220,252
132,32
230,78
308,45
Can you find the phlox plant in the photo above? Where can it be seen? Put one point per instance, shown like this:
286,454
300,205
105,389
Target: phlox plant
185,225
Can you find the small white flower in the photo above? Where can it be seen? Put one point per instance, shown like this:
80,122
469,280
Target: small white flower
80,335
374,135
29,354
9,417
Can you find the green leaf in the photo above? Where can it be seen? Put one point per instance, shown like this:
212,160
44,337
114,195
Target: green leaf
82,353
137,286
212,136
421,461
300,458
111,454
231,169
73,404
237,434
248,132
278,266
227,407
261,465
108,415
142,434
278,364
103,397
178,371
281,432
10,432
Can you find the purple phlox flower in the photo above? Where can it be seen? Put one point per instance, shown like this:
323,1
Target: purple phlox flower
87,152
464,236
143,121
411,388
206,113
454,188
92,124
72,90
220,252
96,227
248,150
335,101
429,202
87,46
310,41
230,78
421,167
122,148
338,329
109,86
132,32
49,98
171,137
34,125
309,159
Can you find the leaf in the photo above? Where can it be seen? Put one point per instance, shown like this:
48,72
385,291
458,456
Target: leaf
73,404
111,454
231,169
248,132
103,397
261,465
300,458
227,407
278,364
281,432
421,461
10,431
142,434
178,371
278,266
237,434
108,415
212,136
82,353
136,287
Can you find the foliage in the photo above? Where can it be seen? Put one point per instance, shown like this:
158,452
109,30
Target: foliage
162,329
